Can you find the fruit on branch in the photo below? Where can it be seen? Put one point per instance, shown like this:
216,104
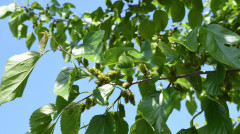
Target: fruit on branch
143,68
132,99
85,62
126,85
121,110
88,103
83,106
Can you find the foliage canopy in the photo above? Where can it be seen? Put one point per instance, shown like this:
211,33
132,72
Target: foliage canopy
131,42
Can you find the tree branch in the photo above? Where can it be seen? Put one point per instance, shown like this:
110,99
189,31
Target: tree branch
191,122
185,75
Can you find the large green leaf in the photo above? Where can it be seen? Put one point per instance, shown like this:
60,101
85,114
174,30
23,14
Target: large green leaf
147,29
13,25
141,126
90,49
146,88
70,120
59,36
61,103
64,82
102,124
191,130
217,120
22,31
16,73
30,40
160,18
5,11
40,120
125,61
156,108
111,56
121,125
195,18
177,11
101,94
214,81
214,39
189,42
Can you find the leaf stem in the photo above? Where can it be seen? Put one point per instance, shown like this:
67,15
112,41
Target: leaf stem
114,102
84,126
191,122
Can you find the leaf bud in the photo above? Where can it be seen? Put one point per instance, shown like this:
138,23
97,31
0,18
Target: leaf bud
126,85
143,68
121,110
132,99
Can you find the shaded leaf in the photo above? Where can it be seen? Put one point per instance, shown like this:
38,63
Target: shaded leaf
70,119
147,29
36,5
16,73
177,11
191,130
160,18
146,88
191,104
121,125
22,31
214,39
214,81
61,103
217,120
102,124
101,94
195,18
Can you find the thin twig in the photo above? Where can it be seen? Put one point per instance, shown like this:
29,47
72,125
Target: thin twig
61,49
84,126
185,75
191,122
114,102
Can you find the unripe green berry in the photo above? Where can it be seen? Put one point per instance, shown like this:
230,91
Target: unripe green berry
126,99
126,85
124,93
132,99
85,62
107,80
83,106
121,110
88,103
98,65
98,82
113,74
143,68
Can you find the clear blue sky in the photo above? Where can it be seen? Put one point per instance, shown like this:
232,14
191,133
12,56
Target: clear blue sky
14,115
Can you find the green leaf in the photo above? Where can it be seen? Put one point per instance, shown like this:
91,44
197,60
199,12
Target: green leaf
121,125
177,11
43,41
90,49
102,124
146,88
156,108
30,40
125,61
60,35
68,5
214,81
36,5
16,73
191,104
217,120
101,94
22,31
61,103
40,120
64,82
4,12
237,129
198,4
70,119
195,18
13,25
128,30
214,39
189,42
97,15
141,126
217,4
55,2
160,18
191,130
111,56
147,29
